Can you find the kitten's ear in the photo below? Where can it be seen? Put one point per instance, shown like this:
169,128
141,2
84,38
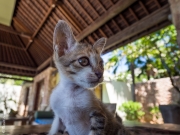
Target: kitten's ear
63,38
99,45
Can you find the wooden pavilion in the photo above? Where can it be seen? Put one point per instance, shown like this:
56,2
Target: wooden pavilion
26,44
26,37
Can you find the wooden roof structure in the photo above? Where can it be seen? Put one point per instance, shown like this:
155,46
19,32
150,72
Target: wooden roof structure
26,46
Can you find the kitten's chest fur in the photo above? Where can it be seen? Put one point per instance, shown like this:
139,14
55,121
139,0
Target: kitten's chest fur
72,103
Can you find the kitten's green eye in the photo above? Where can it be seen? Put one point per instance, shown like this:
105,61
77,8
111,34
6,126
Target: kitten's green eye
83,61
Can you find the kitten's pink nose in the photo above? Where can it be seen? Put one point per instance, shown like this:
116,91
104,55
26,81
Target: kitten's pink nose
98,74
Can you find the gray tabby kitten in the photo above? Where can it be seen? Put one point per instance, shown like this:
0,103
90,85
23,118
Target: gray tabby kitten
75,106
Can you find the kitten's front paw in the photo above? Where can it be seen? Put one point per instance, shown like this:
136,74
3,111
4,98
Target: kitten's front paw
98,122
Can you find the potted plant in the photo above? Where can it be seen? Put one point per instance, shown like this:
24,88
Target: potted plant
133,110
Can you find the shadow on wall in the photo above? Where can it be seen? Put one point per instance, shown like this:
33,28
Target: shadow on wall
155,93
175,95
147,94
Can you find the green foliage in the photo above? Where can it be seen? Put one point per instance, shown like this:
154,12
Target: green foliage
133,110
4,79
154,55
154,111
8,100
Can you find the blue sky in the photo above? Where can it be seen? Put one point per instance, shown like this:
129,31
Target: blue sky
122,67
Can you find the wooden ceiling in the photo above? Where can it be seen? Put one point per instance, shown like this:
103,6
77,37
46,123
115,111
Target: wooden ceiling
26,46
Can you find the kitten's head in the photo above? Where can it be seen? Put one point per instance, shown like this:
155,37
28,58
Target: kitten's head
79,62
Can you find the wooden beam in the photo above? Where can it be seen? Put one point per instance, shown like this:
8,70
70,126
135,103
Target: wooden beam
28,54
14,78
43,47
175,12
12,72
17,66
112,12
21,25
157,3
155,17
144,8
66,13
142,34
102,33
74,11
83,10
101,6
40,26
10,30
45,63
124,20
117,26
12,46
92,8
143,24
134,15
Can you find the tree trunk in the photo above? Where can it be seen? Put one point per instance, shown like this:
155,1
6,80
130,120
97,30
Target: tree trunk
167,69
133,81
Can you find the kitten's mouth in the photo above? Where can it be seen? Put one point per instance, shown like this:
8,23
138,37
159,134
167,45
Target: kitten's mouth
93,82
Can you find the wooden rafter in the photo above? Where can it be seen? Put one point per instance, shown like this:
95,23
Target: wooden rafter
44,48
84,11
151,20
28,54
92,8
113,11
134,15
124,20
144,33
101,5
157,3
23,12
107,27
45,63
95,35
74,10
14,78
56,16
13,72
17,66
91,39
102,33
144,8
40,26
69,16
129,32
117,26
9,30
21,25
12,46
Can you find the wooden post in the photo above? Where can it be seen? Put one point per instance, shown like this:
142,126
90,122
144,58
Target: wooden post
133,82
175,10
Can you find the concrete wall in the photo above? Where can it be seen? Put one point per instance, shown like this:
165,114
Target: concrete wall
116,92
155,93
